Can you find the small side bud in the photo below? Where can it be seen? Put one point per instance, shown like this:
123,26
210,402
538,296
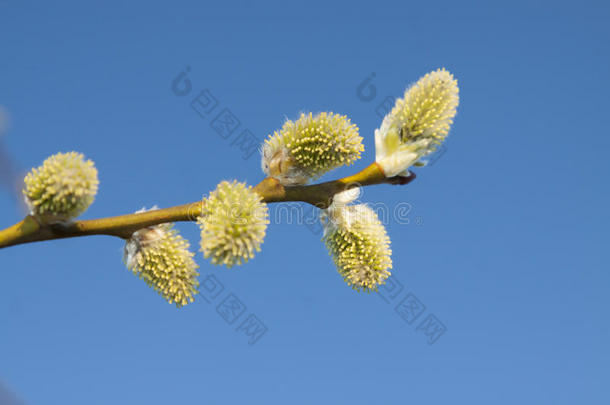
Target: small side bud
161,257
307,148
418,123
233,224
62,188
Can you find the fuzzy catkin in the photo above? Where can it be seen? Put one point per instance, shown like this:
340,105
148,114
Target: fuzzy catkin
63,187
305,149
233,224
161,257
359,245
418,123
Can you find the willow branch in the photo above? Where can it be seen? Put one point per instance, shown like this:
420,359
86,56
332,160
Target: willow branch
319,195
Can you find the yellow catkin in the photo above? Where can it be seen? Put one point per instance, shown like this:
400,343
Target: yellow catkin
62,188
359,246
418,123
160,256
312,145
233,224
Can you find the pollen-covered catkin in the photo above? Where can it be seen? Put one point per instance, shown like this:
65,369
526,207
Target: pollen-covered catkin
359,245
305,149
161,257
233,224
418,123
62,188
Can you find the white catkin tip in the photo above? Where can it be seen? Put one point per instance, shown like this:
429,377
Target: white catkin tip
347,196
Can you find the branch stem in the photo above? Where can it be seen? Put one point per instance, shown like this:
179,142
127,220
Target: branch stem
320,195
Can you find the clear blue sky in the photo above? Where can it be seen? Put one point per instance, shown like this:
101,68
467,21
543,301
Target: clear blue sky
506,245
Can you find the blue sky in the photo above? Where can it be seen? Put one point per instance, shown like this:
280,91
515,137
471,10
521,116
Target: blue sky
505,244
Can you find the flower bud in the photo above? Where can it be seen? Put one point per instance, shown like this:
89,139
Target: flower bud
233,224
161,257
358,243
418,123
309,147
62,188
